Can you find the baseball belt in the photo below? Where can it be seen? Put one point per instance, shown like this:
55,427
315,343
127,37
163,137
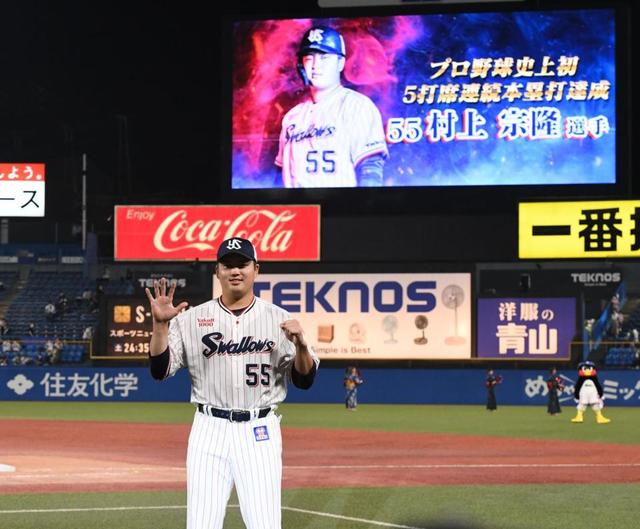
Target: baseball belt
233,415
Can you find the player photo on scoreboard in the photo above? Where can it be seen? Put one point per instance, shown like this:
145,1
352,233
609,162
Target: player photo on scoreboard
466,99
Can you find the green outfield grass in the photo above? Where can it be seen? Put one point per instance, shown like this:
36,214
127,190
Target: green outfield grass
509,421
490,507
479,507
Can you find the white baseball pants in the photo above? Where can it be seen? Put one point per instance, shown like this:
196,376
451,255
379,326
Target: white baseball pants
222,454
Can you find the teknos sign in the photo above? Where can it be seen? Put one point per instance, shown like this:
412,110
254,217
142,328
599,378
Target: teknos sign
187,233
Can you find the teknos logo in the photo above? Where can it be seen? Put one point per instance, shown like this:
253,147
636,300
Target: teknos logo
587,278
20,384
342,296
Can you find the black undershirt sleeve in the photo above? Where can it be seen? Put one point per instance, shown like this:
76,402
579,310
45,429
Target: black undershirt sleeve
303,381
159,365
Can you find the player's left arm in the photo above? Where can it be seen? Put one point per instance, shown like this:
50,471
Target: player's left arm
304,365
369,172
369,148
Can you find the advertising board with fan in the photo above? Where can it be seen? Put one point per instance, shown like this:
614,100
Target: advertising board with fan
377,316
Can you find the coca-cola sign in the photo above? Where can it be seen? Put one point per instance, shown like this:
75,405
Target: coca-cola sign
187,233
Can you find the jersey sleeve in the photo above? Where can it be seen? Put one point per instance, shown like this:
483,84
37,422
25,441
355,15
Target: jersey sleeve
368,132
176,347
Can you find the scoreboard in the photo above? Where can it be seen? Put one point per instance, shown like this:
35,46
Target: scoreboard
127,328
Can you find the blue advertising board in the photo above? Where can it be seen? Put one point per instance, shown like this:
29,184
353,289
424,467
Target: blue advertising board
526,328
381,386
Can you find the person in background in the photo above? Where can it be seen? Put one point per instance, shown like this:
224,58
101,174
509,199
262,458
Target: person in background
554,385
87,334
352,380
50,353
491,382
62,303
16,346
50,311
615,302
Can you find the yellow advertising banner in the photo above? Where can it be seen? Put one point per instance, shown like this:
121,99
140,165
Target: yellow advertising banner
591,229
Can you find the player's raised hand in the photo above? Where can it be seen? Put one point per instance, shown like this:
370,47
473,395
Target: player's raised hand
162,308
293,331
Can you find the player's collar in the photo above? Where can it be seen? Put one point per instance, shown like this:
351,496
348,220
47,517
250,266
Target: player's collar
328,96
231,312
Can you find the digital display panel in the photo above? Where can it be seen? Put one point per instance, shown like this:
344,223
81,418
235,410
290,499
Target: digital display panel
128,325
515,98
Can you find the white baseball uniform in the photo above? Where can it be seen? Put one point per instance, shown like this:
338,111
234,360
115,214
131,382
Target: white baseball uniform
322,143
236,363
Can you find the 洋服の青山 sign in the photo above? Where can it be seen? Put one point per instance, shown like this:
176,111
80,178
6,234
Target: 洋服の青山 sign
183,233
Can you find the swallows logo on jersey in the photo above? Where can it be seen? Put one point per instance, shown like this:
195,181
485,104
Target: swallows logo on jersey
312,132
216,345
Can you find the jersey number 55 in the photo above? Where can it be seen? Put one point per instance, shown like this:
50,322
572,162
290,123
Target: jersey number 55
323,161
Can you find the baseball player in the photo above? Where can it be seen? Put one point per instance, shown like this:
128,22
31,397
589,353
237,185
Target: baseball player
335,138
240,352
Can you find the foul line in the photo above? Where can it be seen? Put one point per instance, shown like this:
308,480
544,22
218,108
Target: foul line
470,465
165,507
95,509
350,518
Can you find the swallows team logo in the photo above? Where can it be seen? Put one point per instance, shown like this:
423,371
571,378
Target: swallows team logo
215,344
313,131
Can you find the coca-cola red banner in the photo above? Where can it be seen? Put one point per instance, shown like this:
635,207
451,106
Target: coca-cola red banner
187,233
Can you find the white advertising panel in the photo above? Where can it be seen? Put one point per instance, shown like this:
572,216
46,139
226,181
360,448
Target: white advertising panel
376,316
22,189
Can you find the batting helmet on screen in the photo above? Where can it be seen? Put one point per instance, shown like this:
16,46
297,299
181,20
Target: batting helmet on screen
321,39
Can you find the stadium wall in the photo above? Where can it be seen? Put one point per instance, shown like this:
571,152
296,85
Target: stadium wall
382,386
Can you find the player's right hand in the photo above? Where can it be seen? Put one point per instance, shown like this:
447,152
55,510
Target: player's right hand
162,308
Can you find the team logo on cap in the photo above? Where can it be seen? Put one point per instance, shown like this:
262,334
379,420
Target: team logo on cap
234,244
315,35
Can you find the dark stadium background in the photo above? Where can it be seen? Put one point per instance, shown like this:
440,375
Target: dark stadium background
140,87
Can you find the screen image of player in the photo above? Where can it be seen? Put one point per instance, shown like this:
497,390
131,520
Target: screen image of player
514,98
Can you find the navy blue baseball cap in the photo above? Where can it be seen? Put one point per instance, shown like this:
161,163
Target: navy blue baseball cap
236,245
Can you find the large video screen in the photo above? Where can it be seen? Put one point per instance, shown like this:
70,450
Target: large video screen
515,98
